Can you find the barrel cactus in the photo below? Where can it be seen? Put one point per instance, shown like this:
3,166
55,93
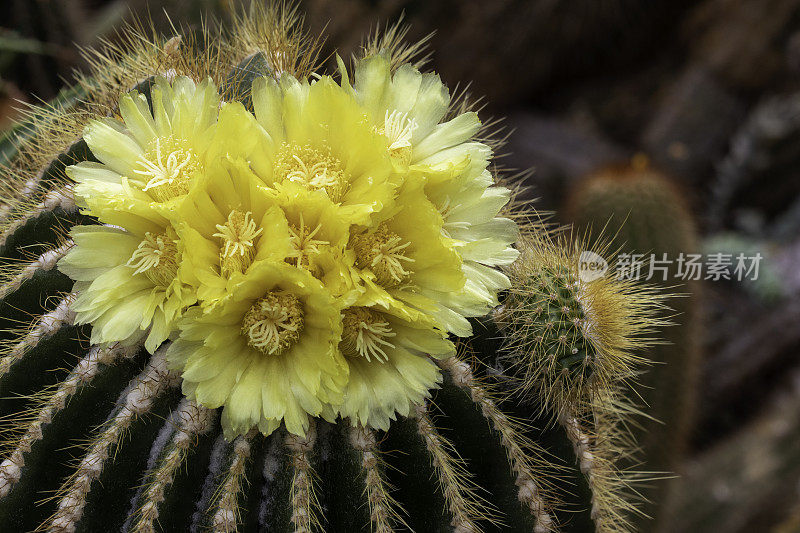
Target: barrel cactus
239,294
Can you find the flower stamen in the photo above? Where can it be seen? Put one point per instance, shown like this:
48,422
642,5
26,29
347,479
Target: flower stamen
304,243
169,167
273,324
313,168
398,130
157,258
365,334
384,253
238,234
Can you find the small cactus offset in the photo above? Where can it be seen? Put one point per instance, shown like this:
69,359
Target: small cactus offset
573,339
239,294
647,215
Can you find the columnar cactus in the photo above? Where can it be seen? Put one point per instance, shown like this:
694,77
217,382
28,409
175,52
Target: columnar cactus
232,292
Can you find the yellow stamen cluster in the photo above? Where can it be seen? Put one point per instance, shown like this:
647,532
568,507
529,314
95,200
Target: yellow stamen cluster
157,258
274,322
304,244
398,129
168,167
238,236
364,334
313,168
383,252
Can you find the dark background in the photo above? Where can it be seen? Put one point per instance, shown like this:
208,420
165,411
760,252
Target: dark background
708,91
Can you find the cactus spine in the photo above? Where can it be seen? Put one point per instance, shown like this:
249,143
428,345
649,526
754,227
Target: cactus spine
572,344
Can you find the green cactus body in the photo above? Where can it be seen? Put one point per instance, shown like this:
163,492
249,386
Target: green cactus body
160,468
557,319
647,215
100,438
570,346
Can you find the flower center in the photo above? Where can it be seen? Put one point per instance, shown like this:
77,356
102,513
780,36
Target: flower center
364,334
273,324
384,253
238,235
316,169
157,258
399,129
168,168
304,244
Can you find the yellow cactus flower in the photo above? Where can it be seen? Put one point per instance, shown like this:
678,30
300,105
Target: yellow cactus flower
320,248
404,262
150,155
267,353
318,235
389,364
128,275
318,139
409,109
230,223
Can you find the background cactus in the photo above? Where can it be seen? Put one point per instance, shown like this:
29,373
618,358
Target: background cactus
98,438
647,215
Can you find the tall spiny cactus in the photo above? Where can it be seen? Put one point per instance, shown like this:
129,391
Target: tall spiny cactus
648,215
109,423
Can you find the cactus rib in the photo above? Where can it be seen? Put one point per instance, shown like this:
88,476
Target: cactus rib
466,506
191,420
226,515
50,404
384,511
43,263
304,502
154,380
61,198
524,457
43,328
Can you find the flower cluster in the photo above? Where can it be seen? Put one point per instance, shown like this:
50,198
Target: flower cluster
307,256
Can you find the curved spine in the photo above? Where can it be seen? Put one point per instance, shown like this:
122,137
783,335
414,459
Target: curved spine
460,493
305,505
227,516
384,511
83,373
44,327
193,420
62,198
44,263
581,443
